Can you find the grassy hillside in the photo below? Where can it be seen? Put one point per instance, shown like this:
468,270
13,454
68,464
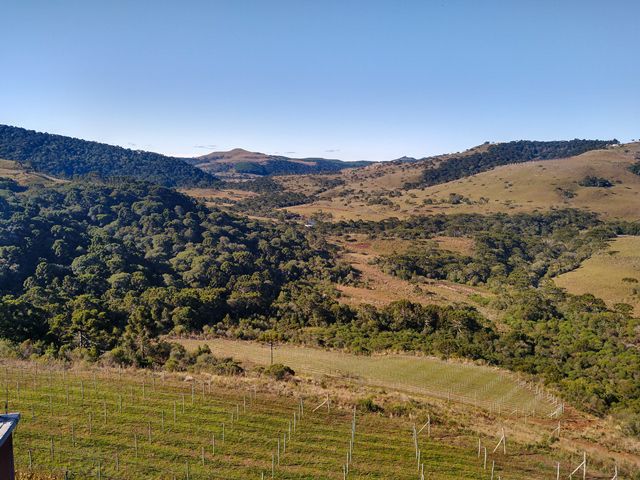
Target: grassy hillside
505,154
613,274
550,184
427,376
523,187
69,158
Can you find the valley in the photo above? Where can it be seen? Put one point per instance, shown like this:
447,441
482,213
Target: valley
501,299
297,240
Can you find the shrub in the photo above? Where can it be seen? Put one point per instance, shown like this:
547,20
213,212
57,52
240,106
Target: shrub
201,360
225,366
7,349
368,405
592,181
279,372
630,422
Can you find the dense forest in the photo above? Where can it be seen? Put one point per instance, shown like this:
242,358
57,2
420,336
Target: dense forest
102,271
70,158
519,250
427,226
79,263
455,167
268,202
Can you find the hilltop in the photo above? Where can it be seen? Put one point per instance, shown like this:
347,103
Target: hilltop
242,163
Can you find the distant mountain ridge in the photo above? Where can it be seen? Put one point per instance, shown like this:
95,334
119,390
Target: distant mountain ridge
244,162
68,158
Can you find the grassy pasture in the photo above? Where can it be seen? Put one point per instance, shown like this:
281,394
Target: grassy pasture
139,425
228,194
466,383
612,274
525,187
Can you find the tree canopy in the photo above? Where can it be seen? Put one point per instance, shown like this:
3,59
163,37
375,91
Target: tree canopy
69,158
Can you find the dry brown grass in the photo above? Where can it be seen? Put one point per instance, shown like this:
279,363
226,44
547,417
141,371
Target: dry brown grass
525,187
461,245
226,194
379,288
15,171
609,274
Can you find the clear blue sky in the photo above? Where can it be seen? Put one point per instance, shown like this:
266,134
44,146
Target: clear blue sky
344,79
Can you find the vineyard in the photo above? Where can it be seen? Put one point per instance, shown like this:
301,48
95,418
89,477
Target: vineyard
467,383
111,424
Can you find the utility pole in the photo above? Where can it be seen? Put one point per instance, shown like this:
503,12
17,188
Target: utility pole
270,337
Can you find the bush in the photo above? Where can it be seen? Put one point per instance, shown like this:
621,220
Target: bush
279,372
115,357
222,366
7,349
368,405
592,181
201,360
630,422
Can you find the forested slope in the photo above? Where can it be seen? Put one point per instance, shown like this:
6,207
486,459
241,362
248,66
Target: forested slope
69,158
85,262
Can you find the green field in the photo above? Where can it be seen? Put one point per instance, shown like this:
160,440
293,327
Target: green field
115,425
467,383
